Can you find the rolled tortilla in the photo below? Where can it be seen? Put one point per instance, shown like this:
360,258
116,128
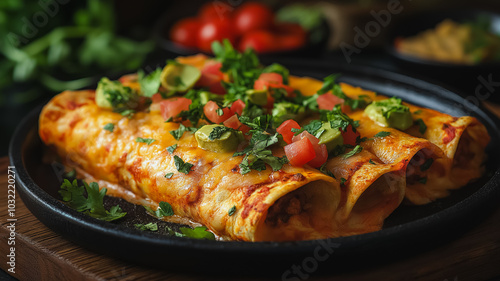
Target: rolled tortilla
291,204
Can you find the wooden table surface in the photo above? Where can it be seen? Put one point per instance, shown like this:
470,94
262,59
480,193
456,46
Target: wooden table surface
42,254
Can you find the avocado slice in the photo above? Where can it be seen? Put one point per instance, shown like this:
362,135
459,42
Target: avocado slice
259,97
390,113
330,136
179,77
217,138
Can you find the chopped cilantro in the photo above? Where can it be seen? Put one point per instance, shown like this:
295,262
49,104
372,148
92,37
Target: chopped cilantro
339,120
146,141
199,232
109,127
382,134
427,164
417,111
149,83
421,126
371,162
164,210
91,205
325,171
231,211
183,167
115,95
169,175
71,174
219,111
312,128
171,148
150,226
342,181
357,149
177,134
128,113
257,153
217,132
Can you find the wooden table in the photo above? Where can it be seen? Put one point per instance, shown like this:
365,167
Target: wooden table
41,254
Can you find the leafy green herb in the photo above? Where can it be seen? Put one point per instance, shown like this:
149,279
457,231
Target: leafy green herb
169,175
257,153
371,162
70,175
146,141
128,113
421,126
114,94
183,167
178,81
200,232
219,111
339,120
92,205
417,111
109,127
150,226
312,128
149,83
329,84
217,132
392,105
171,148
231,211
342,181
325,171
177,134
382,134
164,210
357,149
427,164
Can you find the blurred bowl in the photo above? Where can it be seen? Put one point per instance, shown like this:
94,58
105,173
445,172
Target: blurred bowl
171,16
465,77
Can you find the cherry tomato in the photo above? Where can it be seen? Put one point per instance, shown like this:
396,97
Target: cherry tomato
319,149
349,135
261,41
237,107
300,152
172,107
214,30
210,109
328,101
214,9
290,36
285,129
252,16
184,32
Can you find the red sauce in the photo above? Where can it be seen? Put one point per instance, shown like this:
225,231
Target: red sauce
449,132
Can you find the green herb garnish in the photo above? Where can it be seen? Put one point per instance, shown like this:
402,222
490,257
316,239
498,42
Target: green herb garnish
146,141
183,167
109,127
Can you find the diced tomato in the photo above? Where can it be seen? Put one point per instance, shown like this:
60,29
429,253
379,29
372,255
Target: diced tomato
232,122
128,78
349,135
156,98
237,107
300,152
210,109
319,149
211,78
213,67
172,107
285,129
271,77
328,101
272,80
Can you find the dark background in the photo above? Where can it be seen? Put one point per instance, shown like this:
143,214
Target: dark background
139,20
